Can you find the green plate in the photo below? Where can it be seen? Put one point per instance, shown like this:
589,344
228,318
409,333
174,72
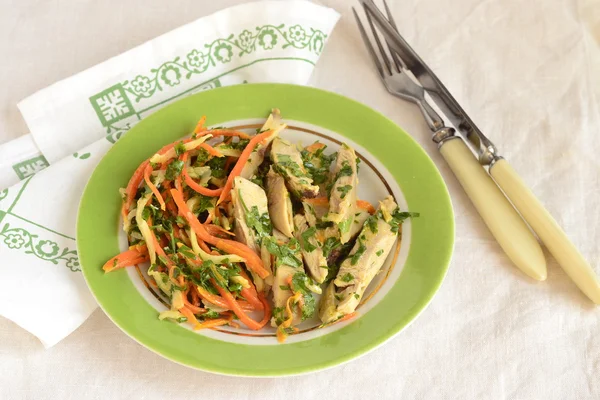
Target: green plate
395,163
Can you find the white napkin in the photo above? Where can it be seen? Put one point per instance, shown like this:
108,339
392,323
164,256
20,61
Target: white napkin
75,121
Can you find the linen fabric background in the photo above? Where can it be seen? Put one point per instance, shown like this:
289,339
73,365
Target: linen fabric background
526,72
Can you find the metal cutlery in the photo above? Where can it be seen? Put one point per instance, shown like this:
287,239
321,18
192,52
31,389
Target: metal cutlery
393,62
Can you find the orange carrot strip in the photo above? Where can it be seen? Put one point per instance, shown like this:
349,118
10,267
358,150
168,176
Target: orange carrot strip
211,150
253,261
203,245
191,318
219,301
314,147
200,125
136,179
235,307
347,317
318,201
152,187
211,323
252,288
195,298
192,308
126,258
217,230
266,310
365,205
198,188
252,298
281,333
132,187
241,162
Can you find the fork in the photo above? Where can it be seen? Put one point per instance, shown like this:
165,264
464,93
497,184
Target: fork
509,229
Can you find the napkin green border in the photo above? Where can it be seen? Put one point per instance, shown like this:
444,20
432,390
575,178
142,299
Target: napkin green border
423,187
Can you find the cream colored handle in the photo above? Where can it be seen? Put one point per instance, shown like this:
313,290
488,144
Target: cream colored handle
511,232
548,230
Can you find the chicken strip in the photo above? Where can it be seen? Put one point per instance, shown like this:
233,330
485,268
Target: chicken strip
312,252
342,199
287,161
280,204
273,123
373,245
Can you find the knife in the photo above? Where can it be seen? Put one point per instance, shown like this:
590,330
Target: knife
528,205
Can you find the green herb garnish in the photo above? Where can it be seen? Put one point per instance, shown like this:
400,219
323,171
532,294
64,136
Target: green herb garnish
285,254
359,252
347,277
344,190
306,236
174,170
180,148
399,217
345,225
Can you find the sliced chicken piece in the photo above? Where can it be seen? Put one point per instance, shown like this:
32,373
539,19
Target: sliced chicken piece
273,123
283,273
312,253
280,295
252,221
280,204
342,200
372,247
360,216
250,209
327,306
288,163
280,237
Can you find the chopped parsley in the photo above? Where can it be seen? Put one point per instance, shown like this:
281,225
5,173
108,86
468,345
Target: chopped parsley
346,170
330,244
399,217
180,148
318,164
379,252
356,296
174,170
286,254
235,287
284,287
359,252
347,277
204,204
201,158
344,190
306,235
279,315
299,284
240,144
371,223
261,223
345,225
324,224
217,167
286,166
211,314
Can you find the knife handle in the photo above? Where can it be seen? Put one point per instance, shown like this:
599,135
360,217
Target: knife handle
511,232
547,229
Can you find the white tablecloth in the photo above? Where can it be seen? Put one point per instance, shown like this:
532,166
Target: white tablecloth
526,71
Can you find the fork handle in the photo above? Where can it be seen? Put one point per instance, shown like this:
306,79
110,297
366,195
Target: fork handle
511,232
547,229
